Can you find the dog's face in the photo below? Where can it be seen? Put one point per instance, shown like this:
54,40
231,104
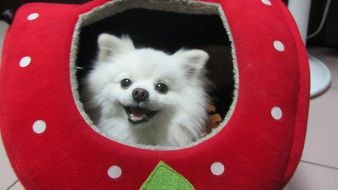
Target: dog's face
142,86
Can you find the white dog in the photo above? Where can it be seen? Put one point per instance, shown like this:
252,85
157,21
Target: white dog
146,96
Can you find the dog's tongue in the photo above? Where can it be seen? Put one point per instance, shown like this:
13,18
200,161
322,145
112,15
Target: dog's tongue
137,117
138,114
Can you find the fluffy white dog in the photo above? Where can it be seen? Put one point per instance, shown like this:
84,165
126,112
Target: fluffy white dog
145,96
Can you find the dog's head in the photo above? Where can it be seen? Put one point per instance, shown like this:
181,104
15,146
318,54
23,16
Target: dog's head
144,85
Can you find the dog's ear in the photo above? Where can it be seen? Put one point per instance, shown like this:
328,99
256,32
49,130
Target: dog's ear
193,61
110,45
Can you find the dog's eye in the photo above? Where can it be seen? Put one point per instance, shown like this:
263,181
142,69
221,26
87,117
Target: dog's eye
162,88
125,83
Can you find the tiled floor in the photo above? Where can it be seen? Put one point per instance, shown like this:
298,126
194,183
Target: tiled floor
319,167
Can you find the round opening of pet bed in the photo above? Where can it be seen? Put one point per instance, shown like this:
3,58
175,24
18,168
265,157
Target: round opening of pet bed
167,26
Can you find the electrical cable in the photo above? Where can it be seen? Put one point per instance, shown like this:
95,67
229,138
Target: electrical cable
322,22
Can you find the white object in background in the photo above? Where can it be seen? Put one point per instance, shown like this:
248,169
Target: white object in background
320,74
300,10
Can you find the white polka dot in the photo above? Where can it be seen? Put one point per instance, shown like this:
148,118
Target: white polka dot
39,126
267,2
217,168
115,172
25,61
279,46
33,16
277,113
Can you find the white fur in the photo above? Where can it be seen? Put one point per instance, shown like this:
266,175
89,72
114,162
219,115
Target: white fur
181,116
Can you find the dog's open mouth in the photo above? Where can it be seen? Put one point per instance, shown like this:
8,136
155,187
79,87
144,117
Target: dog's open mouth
137,115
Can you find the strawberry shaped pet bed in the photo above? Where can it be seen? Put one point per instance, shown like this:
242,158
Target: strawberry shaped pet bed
258,65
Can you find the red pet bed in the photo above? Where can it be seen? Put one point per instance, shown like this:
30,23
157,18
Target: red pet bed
262,93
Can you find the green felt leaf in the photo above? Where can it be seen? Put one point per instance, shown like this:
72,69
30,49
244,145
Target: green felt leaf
163,177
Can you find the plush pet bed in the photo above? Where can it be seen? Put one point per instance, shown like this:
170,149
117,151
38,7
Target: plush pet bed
258,65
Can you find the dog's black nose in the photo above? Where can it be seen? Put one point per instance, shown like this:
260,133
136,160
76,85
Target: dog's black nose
140,94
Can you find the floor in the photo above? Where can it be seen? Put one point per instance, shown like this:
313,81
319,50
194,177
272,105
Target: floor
318,169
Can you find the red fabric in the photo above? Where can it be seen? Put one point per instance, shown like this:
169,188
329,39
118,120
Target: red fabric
258,152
